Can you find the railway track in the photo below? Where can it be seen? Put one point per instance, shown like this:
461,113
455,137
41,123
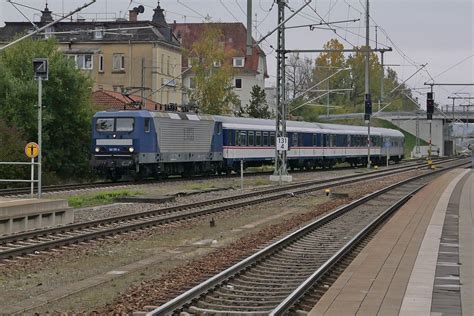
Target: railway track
12,192
45,239
274,280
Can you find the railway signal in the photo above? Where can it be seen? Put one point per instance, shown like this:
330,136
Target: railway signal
429,105
368,107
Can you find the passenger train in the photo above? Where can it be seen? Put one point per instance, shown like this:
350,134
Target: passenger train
150,143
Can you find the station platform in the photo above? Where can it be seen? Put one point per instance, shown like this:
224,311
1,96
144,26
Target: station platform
419,263
18,215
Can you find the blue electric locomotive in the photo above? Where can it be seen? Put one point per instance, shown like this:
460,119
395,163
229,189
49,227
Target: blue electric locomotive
149,143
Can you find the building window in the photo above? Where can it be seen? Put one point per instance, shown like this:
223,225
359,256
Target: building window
162,65
238,83
239,62
48,31
192,83
119,62
101,63
217,63
168,65
83,61
99,33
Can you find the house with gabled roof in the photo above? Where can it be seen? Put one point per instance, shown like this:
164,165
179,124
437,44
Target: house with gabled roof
129,56
249,70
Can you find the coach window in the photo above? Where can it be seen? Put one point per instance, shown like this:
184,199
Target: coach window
230,137
272,139
265,139
147,125
234,138
294,141
315,140
243,138
251,138
258,138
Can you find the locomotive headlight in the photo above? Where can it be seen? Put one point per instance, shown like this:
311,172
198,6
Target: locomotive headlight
131,149
97,149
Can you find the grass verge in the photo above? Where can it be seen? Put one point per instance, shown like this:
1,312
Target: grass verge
99,198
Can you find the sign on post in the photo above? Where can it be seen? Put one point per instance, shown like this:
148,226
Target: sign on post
282,143
32,150
40,67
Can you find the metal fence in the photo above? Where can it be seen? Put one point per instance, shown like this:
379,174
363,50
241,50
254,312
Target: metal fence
32,180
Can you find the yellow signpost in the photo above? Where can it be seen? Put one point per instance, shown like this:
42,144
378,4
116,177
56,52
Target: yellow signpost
32,150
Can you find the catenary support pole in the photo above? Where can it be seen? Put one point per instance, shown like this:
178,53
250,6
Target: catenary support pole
367,90
143,84
249,28
281,172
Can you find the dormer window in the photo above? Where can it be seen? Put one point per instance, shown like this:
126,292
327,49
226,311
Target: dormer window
239,62
99,33
48,31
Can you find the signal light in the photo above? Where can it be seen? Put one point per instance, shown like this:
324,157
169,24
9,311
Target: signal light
429,105
368,104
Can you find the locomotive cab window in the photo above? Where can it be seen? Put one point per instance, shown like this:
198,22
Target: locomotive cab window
105,125
124,124
147,125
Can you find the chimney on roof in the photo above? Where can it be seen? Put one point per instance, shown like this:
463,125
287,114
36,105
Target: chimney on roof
46,15
132,16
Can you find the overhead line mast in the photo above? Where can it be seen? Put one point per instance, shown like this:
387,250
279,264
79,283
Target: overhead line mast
281,170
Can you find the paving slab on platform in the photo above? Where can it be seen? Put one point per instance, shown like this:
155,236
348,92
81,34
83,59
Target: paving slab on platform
17,215
398,265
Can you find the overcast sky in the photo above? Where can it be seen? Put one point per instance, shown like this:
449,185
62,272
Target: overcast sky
437,32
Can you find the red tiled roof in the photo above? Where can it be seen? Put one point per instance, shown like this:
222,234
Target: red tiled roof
115,100
234,37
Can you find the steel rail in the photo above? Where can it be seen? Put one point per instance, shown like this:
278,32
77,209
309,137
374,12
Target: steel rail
127,223
307,284
111,220
198,291
81,186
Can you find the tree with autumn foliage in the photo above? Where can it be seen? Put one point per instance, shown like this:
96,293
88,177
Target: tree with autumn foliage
213,73
329,64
